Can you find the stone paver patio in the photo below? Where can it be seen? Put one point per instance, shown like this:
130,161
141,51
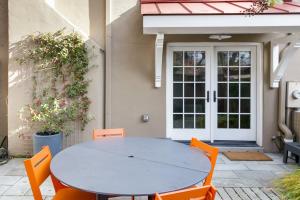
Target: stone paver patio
234,179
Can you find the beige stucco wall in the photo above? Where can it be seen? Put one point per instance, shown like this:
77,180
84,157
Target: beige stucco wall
132,74
28,17
3,67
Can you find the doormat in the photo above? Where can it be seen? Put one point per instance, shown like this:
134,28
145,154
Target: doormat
247,156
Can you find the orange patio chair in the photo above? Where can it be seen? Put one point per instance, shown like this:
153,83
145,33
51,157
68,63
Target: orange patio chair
212,154
38,170
101,133
198,193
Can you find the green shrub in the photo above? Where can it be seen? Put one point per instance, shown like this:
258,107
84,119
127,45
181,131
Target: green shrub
289,186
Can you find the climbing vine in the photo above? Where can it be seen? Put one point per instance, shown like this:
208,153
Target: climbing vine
59,64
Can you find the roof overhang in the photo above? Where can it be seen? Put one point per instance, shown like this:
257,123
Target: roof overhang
211,24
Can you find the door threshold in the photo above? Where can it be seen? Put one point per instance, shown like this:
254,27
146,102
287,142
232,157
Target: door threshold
236,146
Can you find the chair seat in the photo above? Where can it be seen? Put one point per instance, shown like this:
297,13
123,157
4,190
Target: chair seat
73,194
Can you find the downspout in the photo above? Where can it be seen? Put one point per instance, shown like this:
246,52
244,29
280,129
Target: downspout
108,45
285,131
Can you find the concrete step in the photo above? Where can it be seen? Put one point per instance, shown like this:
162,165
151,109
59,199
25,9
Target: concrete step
239,149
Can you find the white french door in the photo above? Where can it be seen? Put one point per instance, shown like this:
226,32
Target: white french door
211,93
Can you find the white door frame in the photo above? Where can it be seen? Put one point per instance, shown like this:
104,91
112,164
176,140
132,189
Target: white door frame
259,81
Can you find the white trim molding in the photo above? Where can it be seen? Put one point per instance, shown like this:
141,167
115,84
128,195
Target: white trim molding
159,47
280,58
218,24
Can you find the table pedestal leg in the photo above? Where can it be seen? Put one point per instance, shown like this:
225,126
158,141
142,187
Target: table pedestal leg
102,197
150,197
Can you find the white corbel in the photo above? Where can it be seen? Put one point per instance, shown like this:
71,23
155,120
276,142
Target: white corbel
280,58
159,46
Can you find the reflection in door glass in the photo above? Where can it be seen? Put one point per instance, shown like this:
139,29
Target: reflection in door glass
233,121
200,74
200,121
189,89
189,74
200,58
189,58
222,121
177,121
222,74
245,57
178,58
189,105
188,121
234,74
222,105
177,74
245,121
177,90
234,89
234,58
223,58
177,106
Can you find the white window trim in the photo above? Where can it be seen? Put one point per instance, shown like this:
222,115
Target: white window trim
259,80
207,24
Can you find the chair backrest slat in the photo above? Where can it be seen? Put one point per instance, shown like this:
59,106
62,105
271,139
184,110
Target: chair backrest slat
212,154
102,133
38,170
198,193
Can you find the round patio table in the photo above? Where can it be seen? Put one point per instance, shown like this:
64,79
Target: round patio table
126,166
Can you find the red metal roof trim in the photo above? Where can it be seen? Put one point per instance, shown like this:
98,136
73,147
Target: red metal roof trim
210,7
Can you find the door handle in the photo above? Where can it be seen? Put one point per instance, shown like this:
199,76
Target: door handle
215,96
207,96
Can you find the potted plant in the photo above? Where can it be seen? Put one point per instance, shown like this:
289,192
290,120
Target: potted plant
59,63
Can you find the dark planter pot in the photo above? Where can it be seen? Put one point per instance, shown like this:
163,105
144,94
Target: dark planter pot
53,141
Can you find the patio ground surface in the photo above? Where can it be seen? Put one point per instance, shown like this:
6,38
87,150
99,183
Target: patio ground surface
235,180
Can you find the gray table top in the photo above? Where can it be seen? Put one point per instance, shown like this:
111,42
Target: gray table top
127,166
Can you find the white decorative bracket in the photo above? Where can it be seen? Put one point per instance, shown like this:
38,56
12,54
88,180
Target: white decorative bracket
280,58
159,46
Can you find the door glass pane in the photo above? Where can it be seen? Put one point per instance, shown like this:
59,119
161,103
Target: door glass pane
233,89
234,58
200,58
177,121
245,74
245,105
234,121
189,74
223,58
245,89
233,105
200,106
177,90
222,105
178,58
189,105
189,58
189,121
234,74
245,57
200,121
222,74
177,74
222,89
222,121
200,74
200,89
245,121
177,105
189,89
